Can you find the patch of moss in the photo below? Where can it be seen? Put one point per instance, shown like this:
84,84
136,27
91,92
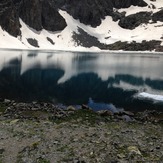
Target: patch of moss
1,156
80,116
34,145
36,114
62,148
43,160
2,108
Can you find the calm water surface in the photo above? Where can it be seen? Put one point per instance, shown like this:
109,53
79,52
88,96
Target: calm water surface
72,78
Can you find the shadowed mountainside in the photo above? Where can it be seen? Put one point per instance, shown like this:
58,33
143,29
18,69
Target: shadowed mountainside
44,14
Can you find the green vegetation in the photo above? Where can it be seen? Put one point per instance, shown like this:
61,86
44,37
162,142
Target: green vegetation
2,108
80,116
42,160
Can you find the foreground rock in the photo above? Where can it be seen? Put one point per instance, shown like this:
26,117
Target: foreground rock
43,132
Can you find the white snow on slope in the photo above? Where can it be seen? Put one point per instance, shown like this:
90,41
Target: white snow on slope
8,41
108,32
135,9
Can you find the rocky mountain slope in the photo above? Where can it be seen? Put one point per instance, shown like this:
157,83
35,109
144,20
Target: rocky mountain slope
70,24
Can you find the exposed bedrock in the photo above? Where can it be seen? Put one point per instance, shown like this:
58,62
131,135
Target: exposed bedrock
127,3
37,14
40,14
158,16
134,20
82,38
91,12
9,18
30,13
50,17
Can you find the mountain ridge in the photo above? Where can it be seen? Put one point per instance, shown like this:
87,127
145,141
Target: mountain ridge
40,15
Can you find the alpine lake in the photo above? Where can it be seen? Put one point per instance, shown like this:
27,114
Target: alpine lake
72,78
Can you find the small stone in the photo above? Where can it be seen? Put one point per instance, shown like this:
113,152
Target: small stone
55,142
121,155
14,121
85,107
151,143
128,113
34,109
75,140
134,149
126,118
34,102
71,108
97,142
158,147
109,133
14,104
7,101
105,113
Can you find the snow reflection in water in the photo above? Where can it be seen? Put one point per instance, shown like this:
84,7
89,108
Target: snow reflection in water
72,78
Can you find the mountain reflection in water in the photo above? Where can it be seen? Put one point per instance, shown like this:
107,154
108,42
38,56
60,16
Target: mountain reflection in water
72,78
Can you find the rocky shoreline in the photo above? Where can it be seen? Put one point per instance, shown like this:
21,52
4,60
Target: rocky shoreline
47,133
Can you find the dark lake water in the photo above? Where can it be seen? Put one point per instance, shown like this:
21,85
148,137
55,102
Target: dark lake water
74,77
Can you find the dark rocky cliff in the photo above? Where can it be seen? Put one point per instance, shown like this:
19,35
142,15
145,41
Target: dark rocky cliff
40,14
9,18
